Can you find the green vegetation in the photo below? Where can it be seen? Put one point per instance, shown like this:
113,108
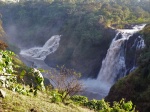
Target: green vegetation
136,86
20,96
102,106
83,22
15,102
75,18
66,82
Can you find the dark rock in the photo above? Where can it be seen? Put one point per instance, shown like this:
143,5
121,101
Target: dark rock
131,53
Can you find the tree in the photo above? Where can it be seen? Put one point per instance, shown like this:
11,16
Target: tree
66,81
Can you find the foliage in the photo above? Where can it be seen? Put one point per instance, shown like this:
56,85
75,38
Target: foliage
30,76
66,81
56,97
80,22
39,80
103,106
71,18
6,68
79,99
20,89
95,104
15,102
8,77
6,65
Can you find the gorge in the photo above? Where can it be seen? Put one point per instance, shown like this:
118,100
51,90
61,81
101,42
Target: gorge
79,35
113,66
107,41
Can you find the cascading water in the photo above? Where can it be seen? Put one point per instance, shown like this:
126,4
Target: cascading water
113,66
34,57
141,43
41,52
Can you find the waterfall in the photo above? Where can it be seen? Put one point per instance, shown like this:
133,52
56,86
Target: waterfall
41,52
141,43
138,45
113,66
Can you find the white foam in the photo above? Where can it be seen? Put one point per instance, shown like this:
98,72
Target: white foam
41,52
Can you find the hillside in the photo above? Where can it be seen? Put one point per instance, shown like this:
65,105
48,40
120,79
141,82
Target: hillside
15,102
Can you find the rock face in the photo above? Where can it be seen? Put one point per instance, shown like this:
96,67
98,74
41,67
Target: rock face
132,51
84,55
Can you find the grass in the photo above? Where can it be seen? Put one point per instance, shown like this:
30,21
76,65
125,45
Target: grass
15,102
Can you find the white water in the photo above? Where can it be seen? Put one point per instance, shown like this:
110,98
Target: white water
140,44
40,53
113,66
34,57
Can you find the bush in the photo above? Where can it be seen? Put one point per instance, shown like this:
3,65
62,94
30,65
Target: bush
97,104
80,100
66,81
102,105
56,97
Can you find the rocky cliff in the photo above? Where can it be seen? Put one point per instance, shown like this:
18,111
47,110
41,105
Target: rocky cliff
84,55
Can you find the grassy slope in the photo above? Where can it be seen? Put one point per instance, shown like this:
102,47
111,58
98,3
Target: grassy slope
15,102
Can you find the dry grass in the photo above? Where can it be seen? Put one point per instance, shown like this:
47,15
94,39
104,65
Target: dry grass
15,102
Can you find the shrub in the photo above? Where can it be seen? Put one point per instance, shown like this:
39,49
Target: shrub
81,100
66,81
56,97
102,105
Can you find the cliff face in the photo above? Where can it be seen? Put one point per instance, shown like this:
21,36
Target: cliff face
132,51
84,55
136,86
